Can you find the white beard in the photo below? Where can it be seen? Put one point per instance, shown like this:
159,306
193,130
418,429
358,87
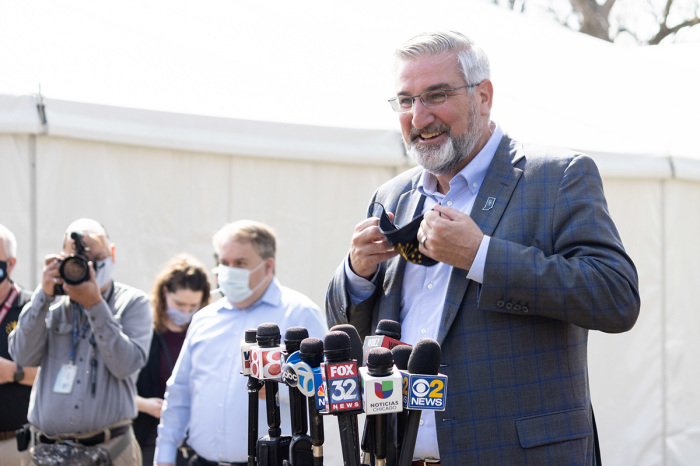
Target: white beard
442,159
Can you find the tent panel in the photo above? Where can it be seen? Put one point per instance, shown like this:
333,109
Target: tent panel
223,135
682,284
313,207
626,370
154,203
15,209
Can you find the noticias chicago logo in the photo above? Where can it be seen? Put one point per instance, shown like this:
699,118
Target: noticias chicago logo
383,389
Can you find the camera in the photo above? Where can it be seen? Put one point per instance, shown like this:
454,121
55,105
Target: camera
74,269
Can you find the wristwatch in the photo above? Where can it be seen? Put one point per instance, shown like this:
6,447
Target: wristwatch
19,374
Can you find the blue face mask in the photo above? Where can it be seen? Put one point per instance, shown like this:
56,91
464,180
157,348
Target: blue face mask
3,271
103,271
233,282
179,317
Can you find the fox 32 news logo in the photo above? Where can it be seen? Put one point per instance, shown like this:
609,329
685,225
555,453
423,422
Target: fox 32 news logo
425,392
343,388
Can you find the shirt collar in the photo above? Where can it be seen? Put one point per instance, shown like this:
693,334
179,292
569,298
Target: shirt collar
474,173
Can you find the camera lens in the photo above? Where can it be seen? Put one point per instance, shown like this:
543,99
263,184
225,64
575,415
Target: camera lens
74,270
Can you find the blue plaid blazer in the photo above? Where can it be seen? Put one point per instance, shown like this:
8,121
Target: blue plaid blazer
514,348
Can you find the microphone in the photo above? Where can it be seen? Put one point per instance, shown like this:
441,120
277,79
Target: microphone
254,386
425,390
342,392
381,381
273,448
401,354
355,341
300,446
311,352
356,354
387,335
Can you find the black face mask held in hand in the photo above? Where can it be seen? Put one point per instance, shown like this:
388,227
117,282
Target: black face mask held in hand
404,240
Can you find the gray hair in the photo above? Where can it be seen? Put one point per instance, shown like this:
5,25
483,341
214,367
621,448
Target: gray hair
261,236
9,241
472,60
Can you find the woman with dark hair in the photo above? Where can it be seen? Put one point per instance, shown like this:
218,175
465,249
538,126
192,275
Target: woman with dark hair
181,289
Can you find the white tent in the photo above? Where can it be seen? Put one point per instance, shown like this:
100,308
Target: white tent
164,120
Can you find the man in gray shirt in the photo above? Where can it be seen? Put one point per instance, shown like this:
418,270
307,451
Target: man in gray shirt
90,345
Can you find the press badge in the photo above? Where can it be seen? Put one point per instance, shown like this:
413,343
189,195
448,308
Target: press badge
65,378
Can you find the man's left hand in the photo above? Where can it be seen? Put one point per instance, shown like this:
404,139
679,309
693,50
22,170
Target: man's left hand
450,236
87,294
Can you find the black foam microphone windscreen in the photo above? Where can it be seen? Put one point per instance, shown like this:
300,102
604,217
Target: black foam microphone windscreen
355,341
293,337
389,328
425,357
401,354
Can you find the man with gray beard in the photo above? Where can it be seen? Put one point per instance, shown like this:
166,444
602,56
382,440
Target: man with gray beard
525,260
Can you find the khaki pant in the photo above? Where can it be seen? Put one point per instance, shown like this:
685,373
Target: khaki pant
9,456
130,456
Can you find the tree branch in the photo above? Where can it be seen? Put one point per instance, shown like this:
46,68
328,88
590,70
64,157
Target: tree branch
665,31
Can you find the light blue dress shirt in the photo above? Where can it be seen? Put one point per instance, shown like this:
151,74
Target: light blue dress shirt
207,392
425,288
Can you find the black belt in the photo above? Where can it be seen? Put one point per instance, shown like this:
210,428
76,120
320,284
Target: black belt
204,462
89,441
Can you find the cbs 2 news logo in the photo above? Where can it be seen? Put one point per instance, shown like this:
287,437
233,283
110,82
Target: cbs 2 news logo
424,391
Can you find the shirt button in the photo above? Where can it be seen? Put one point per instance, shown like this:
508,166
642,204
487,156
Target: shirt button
421,422
221,405
475,185
219,431
449,203
423,331
430,286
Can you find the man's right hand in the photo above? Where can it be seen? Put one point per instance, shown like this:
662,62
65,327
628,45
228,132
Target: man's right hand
369,248
50,276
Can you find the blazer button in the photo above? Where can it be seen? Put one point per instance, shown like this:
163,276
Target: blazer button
509,306
499,303
517,307
525,309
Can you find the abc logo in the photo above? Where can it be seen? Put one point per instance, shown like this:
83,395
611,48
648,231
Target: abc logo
420,387
306,378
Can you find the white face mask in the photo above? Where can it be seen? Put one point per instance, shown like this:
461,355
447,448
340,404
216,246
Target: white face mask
233,282
103,271
178,317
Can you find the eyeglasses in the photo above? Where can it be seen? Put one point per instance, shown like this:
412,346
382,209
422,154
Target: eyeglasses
431,99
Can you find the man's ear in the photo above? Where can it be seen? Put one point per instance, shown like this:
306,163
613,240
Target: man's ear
111,253
484,93
11,262
270,266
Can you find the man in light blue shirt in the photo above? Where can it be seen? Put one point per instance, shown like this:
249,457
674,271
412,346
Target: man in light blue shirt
206,395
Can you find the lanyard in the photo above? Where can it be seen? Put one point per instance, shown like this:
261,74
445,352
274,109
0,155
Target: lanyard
9,302
78,333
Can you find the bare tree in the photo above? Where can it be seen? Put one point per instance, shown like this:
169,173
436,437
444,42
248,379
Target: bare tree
597,18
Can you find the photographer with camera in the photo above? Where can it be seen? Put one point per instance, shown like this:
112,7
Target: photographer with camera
90,345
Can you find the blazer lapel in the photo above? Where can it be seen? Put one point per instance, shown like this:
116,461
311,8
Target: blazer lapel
491,201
